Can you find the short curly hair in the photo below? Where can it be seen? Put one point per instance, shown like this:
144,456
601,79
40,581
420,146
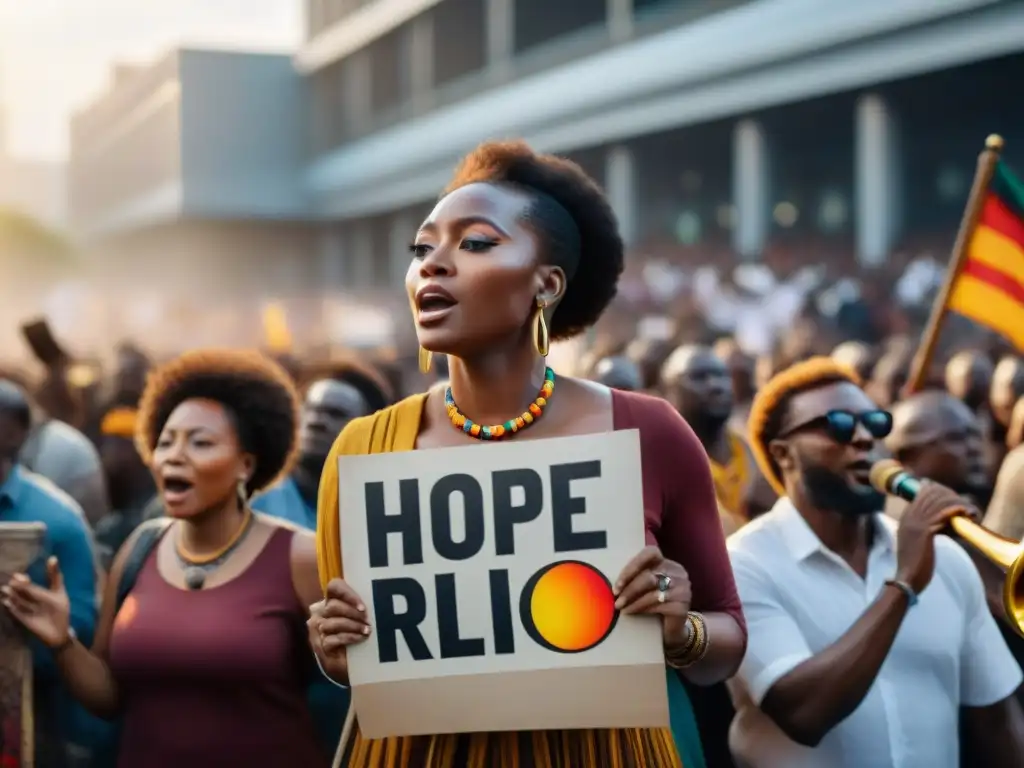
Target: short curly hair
769,407
257,393
571,216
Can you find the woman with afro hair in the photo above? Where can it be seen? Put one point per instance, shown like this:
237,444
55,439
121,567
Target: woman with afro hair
206,658
523,249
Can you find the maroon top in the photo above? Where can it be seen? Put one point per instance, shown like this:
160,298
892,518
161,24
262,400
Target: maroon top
681,510
216,677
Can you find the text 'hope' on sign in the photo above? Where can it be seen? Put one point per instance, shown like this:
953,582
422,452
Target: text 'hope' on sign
489,569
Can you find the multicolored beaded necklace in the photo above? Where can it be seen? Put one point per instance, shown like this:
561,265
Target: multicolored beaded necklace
498,431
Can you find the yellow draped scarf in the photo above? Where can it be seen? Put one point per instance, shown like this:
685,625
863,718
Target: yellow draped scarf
395,429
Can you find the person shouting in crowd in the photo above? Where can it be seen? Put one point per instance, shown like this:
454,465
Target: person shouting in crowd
27,498
865,640
332,401
698,385
523,249
205,658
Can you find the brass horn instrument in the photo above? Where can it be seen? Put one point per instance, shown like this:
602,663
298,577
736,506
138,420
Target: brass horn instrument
1007,554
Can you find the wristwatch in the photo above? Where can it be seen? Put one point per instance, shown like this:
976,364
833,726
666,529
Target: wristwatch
905,588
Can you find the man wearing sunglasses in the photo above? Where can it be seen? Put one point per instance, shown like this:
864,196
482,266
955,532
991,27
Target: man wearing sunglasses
867,639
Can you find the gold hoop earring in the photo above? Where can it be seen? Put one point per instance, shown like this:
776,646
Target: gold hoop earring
541,339
426,357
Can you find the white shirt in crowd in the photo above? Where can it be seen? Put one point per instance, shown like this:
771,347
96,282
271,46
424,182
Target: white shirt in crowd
799,597
757,318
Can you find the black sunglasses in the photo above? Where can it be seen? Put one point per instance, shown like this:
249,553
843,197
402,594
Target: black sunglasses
841,426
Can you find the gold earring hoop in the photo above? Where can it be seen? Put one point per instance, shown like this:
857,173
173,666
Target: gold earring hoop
426,357
541,339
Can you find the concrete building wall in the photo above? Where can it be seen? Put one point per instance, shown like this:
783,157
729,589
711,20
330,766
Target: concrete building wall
243,123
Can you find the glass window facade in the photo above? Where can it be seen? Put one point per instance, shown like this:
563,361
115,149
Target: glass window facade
684,181
811,146
944,119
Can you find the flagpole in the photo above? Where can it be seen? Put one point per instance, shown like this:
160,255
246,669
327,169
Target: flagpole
929,341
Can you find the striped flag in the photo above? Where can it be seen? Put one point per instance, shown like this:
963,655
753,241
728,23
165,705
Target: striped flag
990,286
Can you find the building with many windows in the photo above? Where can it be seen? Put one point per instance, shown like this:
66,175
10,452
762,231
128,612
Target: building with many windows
193,166
717,124
708,121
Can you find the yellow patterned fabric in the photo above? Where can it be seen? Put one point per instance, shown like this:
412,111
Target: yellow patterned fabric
731,484
395,429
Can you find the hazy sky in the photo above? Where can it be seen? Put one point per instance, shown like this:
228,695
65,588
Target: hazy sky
55,54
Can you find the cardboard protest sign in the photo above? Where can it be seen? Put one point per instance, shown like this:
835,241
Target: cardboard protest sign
487,574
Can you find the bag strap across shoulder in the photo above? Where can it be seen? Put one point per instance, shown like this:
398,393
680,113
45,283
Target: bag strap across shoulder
149,536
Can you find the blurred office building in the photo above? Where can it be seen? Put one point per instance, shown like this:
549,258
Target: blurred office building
718,125
191,167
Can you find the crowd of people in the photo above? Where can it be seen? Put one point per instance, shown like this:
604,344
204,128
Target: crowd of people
190,607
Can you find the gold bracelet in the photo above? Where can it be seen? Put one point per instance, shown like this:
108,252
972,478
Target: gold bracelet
697,648
680,658
701,648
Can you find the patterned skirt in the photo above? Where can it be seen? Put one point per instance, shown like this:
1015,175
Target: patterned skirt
620,748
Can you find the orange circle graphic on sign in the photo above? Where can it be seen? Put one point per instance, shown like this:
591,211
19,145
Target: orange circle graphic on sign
568,607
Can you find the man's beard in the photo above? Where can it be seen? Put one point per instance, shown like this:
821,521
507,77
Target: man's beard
705,424
312,463
827,490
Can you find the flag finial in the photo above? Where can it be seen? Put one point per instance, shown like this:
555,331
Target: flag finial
994,142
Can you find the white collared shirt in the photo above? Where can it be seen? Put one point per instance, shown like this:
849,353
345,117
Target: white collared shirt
799,597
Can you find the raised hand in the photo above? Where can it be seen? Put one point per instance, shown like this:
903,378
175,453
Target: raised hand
43,611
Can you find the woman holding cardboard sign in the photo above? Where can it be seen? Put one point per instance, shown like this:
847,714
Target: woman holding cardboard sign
523,249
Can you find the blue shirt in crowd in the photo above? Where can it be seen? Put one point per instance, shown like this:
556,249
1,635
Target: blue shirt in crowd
29,498
284,501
